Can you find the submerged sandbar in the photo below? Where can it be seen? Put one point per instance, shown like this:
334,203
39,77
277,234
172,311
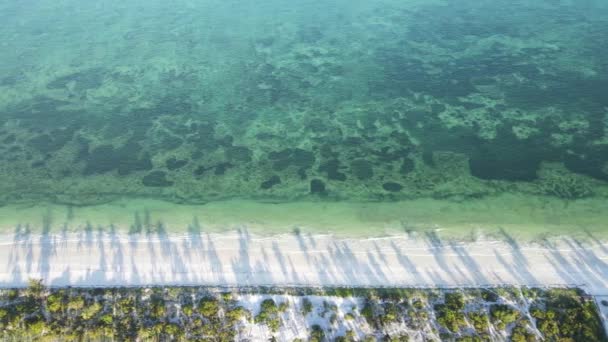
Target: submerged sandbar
525,217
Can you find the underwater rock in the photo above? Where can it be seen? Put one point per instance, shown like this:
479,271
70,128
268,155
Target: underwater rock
272,181
198,154
221,168
302,173
437,108
38,163
131,165
44,112
326,151
156,179
11,80
310,34
490,166
291,157
199,171
508,158
174,163
407,166
14,149
565,186
125,159
392,186
54,141
317,186
354,142
402,139
428,159
301,158
238,154
83,148
225,141
332,168
266,136
9,139
86,79
278,155
362,169
387,155
317,125
592,164
566,90
169,142
203,137
102,159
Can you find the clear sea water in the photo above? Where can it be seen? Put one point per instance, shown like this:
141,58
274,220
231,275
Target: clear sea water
280,101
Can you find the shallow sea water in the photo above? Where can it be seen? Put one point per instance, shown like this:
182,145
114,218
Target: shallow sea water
430,114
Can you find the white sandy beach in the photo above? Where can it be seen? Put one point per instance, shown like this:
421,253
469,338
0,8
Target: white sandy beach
415,243
98,258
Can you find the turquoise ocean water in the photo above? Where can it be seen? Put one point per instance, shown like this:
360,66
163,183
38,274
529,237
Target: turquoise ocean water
197,101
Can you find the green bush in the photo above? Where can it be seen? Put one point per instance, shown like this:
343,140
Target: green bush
54,302
451,319
3,314
91,311
368,313
76,303
418,304
269,315
503,315
126,305
450,313
470,339
306,306
187,309
391,314
236,314
397,338
489,295
35,288
157,307
521,334
209,307
454,301
283,306
317,334
479,320
107,319
568,315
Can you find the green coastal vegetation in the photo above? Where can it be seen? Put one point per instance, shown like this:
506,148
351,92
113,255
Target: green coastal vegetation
37,313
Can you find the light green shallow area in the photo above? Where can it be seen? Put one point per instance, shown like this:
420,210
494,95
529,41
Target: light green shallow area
521,217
